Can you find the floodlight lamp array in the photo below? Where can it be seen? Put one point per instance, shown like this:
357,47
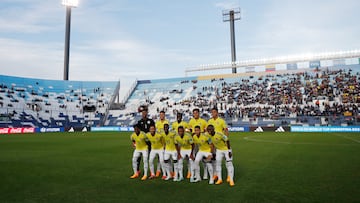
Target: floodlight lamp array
70,3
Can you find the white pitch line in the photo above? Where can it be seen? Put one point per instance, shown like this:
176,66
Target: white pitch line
349,138
299,143
269,141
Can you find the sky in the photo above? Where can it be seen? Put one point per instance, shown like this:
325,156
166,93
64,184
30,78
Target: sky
130,40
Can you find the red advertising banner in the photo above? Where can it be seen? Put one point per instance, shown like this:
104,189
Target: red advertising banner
16,130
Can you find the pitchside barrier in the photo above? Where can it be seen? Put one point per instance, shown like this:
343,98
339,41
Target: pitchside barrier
350,129
130,129
239,129
86,129
29,130
112,128
268,129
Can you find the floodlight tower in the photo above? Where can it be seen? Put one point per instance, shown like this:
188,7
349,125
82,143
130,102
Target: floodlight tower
230,16
68,4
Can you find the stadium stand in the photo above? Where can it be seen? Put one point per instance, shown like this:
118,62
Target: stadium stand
329,96
28,102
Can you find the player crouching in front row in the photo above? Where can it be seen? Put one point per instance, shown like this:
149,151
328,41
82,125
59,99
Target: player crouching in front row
184,143
157,148
205,149
222,144
140,143
170,153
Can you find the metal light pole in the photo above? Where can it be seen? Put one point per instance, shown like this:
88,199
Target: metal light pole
68,4
231,16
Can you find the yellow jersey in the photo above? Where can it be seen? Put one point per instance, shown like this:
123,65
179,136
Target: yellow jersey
140,140
185,142
206,134
175,125
219,140
203,142
219,124
200,122
157,140
169,140
160,125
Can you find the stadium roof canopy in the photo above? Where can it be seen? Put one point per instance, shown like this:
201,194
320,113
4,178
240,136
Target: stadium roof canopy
277,60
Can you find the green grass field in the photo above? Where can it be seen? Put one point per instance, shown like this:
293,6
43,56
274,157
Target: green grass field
95,167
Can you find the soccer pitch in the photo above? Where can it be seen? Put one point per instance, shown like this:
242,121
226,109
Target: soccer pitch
95,167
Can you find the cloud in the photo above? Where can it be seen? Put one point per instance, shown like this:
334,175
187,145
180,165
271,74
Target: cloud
28,59
30,17
294,27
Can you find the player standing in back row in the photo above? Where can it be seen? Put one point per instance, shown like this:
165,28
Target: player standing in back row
144,124
197,121
160,123
218,123
179,122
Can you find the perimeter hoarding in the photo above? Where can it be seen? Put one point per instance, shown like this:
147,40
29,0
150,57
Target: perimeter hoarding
350,129
315,64
270,68
291,66
48,130
16,130
250,69
239,129
338,62
112,129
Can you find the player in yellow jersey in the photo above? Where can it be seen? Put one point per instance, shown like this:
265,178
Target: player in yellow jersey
160,128
157,148
185,142
223,150
160,123
205,149
179,122
197,121
218,123
170,152
140,142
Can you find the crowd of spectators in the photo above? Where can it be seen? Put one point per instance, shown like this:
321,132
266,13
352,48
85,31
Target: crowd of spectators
327,93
